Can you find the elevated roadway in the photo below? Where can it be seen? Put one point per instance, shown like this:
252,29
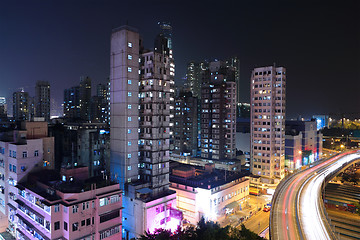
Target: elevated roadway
297,207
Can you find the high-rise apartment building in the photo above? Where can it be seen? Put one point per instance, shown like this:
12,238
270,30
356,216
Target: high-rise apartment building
193,77
42,100
154,114
100,105
234,62
140,83
101,90
195,74
186,124
3,109
72,102
85,97
163,45
124,101
268,86
218,112
21,106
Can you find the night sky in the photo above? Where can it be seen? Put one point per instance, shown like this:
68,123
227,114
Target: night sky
317,41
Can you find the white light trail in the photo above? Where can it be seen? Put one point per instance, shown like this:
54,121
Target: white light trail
310,208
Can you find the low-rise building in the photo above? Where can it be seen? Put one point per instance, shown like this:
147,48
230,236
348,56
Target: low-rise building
229,165
23,150
303,143
85,144
206,192
67,206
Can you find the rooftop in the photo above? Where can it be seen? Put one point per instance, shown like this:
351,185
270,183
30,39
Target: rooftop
205,179
53,180
125,27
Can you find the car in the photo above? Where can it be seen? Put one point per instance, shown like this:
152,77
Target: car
266,208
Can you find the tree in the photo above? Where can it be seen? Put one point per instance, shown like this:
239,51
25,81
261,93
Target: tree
159,234
210,231
205,230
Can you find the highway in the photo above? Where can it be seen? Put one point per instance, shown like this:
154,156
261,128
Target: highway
297,207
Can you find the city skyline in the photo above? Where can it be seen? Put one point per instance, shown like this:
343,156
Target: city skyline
197,120
317,44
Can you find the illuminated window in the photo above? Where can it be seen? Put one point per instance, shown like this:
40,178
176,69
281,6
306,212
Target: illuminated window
129,94
129,155
129,57
129,168
129,130
129,69
129,119
129,81
129,106
129,44
129,143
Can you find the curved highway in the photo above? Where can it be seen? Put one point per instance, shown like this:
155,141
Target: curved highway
298,211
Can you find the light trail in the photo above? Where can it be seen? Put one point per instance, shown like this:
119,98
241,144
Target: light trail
297,211
311,218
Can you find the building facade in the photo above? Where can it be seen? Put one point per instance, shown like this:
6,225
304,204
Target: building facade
209,194
70,207
186,125
85,97
193,77
72,103
303,143
218,112
21,107
22,151
234,63
3,109
268,86
322,121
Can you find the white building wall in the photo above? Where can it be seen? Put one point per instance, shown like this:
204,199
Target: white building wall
208,203
124,89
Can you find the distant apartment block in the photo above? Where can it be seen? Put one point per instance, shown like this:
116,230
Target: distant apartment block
42,100
195,73
303,143
21,106
322,121
268,86
186,124
72,102
85,97
3,109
